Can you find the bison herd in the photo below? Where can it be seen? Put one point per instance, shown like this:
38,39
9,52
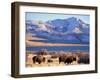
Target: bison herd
65,59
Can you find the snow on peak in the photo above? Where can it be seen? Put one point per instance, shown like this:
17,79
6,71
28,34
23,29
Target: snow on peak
77,30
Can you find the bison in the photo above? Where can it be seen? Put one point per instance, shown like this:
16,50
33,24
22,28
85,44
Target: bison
62,59
84,60
38,59
66,59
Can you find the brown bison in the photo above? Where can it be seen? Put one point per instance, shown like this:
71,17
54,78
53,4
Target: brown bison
38,59
67,60
62,59
84,60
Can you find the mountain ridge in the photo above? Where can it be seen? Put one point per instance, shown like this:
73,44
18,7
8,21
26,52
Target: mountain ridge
70,30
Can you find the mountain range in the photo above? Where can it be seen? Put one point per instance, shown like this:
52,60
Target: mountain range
70,30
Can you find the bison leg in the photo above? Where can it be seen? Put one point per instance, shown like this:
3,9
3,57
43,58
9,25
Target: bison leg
34,59
59,60
43,59
39,62
68,61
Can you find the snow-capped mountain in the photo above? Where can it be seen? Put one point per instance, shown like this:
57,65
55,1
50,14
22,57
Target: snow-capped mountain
69,25
68,30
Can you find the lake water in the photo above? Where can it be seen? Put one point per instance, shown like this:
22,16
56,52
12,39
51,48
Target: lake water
58,48
61,41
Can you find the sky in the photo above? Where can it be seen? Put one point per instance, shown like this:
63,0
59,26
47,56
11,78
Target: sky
52,16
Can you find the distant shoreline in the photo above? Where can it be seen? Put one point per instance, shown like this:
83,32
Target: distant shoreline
32,43
32,52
